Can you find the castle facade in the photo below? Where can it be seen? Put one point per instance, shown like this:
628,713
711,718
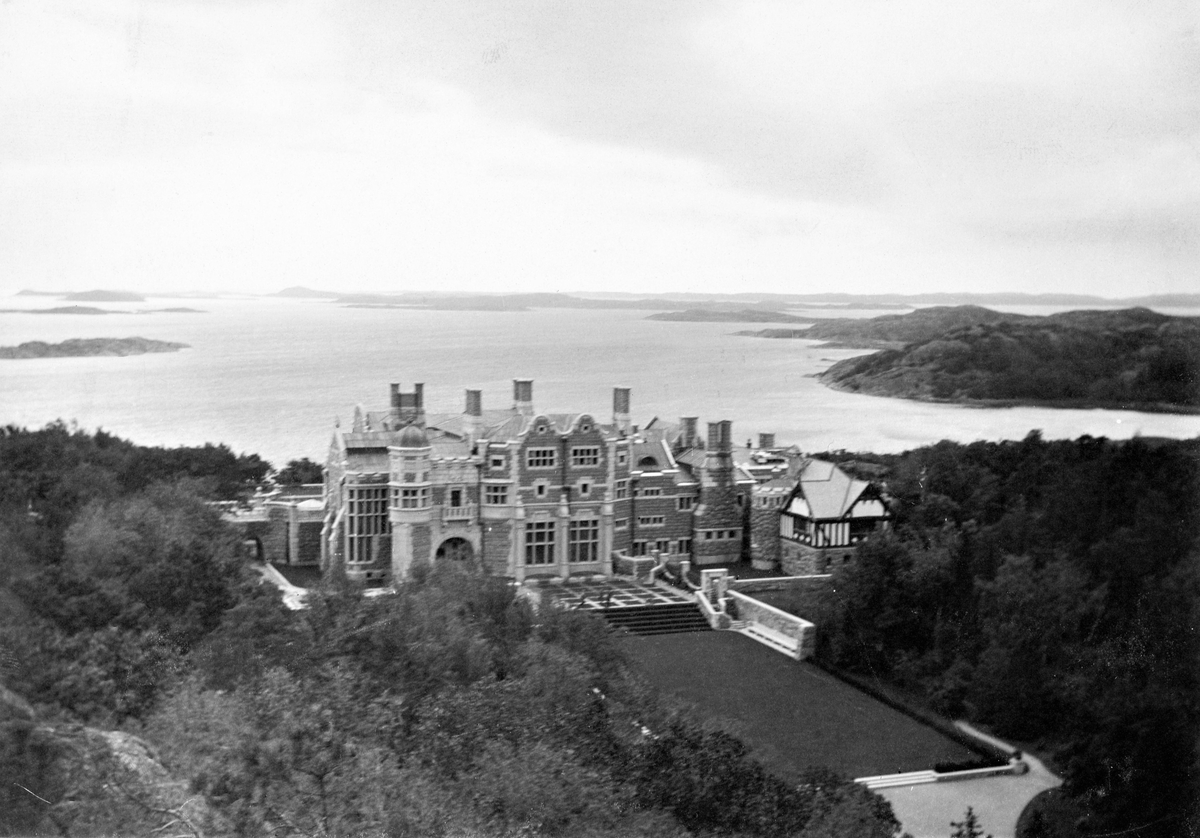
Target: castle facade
534,495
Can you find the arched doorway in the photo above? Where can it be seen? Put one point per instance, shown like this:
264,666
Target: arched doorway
456,549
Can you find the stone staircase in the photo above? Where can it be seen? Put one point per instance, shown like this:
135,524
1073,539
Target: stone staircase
663,618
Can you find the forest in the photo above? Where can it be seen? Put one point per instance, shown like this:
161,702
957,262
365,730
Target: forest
1048,590
1128,358
149,684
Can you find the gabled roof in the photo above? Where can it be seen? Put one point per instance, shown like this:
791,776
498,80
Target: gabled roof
825,491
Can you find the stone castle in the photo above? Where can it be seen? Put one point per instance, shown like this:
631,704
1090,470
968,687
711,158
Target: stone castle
530,495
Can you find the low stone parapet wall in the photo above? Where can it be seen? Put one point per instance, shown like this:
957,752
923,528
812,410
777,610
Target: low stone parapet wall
638,567
716,619
780,583
800,630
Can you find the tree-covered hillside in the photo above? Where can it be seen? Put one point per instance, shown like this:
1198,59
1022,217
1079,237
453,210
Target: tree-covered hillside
450,708
1133,358
1050,590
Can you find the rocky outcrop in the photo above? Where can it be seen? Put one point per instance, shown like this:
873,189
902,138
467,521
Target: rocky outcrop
70,779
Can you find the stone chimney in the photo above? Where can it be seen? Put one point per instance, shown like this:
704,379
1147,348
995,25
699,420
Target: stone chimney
726,439
621,408
408,408
714,436
766,441
688,435
473,415
523,396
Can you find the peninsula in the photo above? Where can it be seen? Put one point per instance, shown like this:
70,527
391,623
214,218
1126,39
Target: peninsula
83,347
1132,358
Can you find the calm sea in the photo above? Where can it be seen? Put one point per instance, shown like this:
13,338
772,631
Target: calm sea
271,376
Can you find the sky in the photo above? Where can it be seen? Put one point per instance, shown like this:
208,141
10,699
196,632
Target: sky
859,146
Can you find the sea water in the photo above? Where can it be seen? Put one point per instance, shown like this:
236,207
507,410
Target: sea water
272,376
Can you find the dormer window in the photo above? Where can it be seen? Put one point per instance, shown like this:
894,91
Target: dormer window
647,462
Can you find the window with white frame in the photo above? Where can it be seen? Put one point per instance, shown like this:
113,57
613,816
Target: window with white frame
540,488
539,542
684,502
541,457
621,490
622,458
366,520
585,488
651,520
497,461
685,545
649,492
412,498
584,540
585,455
620,523
495,495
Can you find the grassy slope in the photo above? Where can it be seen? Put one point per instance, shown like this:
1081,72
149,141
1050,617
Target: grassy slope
792,714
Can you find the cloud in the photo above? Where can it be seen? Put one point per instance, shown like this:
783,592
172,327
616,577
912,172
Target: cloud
633,145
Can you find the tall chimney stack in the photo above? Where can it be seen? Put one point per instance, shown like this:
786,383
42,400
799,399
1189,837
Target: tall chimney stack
766,441
473,415
523,396
621,408
689,437
714,436
408,408
726,441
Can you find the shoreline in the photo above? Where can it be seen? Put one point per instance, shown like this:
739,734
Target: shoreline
1063,404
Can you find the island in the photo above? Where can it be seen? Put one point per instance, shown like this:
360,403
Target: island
104,296
83,347
1134,359
716,315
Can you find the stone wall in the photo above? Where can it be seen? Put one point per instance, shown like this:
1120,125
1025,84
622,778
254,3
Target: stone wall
497,547
800,630
764,537
275,542
638,567
309,540
798,559
780,583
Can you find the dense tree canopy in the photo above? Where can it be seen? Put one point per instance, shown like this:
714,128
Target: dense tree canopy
451,707
1050,590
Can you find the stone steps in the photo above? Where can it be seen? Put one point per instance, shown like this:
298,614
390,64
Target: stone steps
674,618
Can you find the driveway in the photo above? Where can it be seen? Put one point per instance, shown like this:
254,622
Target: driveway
926,811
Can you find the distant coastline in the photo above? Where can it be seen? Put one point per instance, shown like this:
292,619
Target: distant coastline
93,310
88,347
1129,359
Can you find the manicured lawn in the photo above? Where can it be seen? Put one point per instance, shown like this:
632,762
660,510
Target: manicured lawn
791,714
